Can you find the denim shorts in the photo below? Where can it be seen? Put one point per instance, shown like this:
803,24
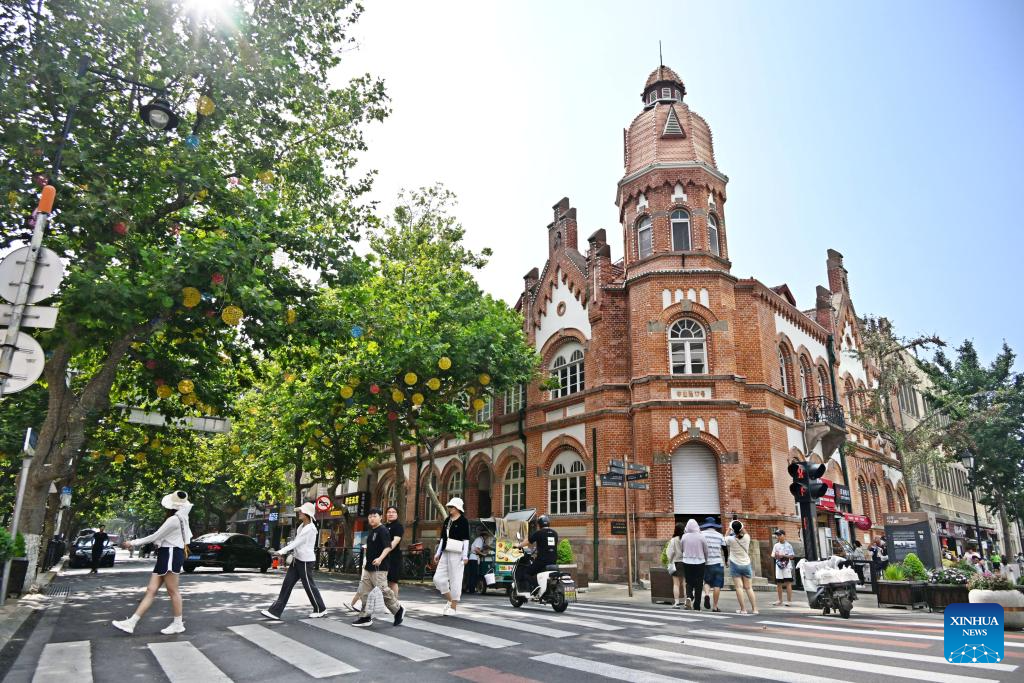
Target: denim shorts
744,570
714,575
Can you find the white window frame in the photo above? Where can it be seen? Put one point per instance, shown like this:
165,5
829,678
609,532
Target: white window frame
388,496
454,489
487,412
666,93
645,224
514,397
782,370
568,367
513,488
567,485
690,349
713,243
680,216
430,512
821,382
652,96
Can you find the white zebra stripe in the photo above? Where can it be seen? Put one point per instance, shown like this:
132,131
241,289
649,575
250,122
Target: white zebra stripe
182,662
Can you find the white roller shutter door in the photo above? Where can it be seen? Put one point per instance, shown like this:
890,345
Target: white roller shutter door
695,481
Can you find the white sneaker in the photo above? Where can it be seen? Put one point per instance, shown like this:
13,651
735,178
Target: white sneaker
174,627
317,615
689,603
270,615
126,625
446,610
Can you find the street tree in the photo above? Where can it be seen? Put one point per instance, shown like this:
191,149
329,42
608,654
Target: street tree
181,246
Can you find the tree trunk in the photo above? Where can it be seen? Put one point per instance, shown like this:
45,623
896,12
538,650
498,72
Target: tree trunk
297,479
400,482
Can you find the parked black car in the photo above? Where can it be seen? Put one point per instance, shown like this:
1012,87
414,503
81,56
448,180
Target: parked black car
81,553
227,551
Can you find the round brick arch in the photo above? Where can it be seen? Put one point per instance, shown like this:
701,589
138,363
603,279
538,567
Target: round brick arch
478,463
505,458
705,439
564,335
559,444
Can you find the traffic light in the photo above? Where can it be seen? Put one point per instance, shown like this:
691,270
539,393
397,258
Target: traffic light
799,486
816,487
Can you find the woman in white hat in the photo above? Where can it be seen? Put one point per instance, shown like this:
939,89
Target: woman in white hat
301,569
171,538
452,555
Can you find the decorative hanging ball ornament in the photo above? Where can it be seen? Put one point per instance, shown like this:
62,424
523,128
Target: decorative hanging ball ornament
202,194
141,457
190,297
346,391
479,403
151,364
397,396
372,410
392,415
471,390
356,332
353,381
189,399
163,391
120,228
434,383
217,278
485,379
232,315
206,106
118,458
374,389
186,386
361,420
410,378
444,362
192,142
290,316
417,399
12,199
349,402
289,377
235,448
266,177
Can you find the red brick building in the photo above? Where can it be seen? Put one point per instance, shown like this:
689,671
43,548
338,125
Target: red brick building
667,357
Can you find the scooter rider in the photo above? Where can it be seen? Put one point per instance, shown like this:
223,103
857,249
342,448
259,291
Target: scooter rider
545,539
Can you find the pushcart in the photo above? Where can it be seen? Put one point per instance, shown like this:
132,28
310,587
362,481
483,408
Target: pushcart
832,596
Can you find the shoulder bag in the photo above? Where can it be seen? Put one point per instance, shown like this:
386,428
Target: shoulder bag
452,545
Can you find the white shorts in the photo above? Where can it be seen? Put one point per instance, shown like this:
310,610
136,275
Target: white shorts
784,574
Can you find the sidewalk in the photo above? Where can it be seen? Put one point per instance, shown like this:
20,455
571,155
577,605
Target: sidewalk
16,611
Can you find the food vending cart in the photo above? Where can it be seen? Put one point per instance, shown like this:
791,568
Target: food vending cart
509,532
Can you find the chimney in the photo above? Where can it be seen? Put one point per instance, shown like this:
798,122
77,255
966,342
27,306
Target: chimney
823,308
837,280
530,280
562,231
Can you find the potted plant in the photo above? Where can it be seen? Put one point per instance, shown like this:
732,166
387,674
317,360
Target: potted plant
19,565
904,584
997,589
566,558
661,580
947,586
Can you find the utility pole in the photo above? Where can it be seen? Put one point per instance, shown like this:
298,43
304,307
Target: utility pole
27,451
629,535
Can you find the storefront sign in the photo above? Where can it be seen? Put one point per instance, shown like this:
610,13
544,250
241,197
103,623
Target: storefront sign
843,494
862,522
356,503
828,501
618,528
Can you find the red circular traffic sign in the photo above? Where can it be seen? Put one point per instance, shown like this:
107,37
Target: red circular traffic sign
324,504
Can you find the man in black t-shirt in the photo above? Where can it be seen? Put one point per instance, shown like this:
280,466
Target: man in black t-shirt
99,544
375,571
545,540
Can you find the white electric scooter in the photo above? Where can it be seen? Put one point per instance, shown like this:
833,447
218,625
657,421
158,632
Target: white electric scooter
555,587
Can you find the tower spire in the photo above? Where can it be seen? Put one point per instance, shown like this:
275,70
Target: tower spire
661,62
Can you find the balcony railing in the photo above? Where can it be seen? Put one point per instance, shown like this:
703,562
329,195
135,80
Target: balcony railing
822,409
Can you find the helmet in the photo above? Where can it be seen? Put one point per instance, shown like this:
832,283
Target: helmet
543,521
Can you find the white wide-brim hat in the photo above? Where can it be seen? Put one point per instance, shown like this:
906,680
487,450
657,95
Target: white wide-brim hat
307,508
175,500
457,504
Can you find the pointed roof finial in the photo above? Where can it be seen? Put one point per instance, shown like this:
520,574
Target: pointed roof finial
661,62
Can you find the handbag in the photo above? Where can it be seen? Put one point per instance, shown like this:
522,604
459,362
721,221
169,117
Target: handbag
454,545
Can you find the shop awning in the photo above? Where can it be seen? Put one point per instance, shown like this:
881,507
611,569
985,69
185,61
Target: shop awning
862,522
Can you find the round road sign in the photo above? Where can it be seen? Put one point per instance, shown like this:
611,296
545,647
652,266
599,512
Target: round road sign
26,366
323,504
48,274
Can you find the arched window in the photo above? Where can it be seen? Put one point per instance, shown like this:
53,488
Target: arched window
681,231
865,499
806,378
783,370
430,512
568,368
851,403
514,488
876,503
686,348
901,499
644,237
454,489
713,234
388,496
567,487
823,383
890,502
485,413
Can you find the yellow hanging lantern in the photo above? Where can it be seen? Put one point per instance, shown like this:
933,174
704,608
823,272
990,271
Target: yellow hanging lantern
444,362
318,432
232,315
118,458
289,377
485,379
417,399
201,195
163,391
326,441
189,399
346,391
478,404
397,396
190,297
12,199
266,177
186,386
290,316
410,378
236,449
434,383
141,457
206,106
361,420
471,390
353,381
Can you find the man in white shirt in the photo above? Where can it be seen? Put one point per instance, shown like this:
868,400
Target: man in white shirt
476,554
714,570
783,554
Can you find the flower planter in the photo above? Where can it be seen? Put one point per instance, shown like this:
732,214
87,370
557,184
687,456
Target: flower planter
905,594
1012,602
661,586
16,581
941,595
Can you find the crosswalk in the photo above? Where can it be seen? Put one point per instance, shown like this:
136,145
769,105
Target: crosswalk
595,640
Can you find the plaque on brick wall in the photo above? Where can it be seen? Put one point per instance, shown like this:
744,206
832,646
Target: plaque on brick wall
691,393
662,459
618,528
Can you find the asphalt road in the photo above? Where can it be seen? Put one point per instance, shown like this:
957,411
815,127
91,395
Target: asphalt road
489,642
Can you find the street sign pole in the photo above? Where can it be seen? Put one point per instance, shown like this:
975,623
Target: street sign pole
629,536
26,463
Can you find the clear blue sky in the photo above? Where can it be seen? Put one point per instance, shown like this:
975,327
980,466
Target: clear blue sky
890,131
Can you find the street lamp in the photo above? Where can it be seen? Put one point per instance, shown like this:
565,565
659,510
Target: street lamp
967,460
158,114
